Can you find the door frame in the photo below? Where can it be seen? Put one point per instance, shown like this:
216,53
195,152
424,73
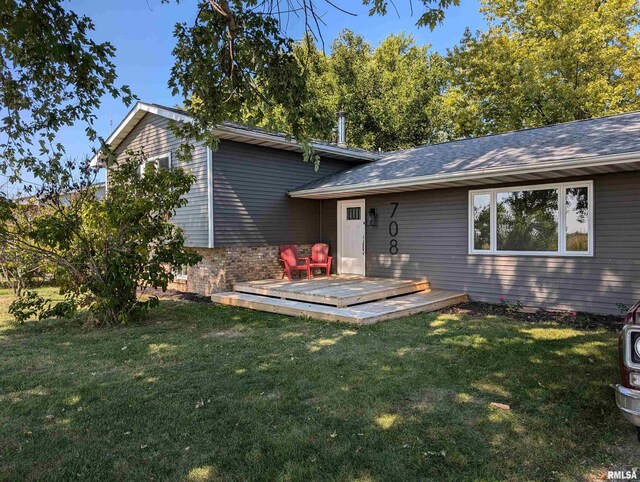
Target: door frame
361,202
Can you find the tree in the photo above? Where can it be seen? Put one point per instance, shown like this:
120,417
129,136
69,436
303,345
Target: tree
106,249
544,62
52,75
406,102
238,56
392,94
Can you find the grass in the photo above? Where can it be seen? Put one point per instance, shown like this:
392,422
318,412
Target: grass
205,392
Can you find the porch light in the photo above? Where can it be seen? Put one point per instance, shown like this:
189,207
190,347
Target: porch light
371,217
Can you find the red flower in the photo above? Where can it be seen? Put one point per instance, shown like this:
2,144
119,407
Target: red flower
574,313
501,298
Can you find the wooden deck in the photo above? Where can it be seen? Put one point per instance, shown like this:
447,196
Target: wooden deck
340,291
348,299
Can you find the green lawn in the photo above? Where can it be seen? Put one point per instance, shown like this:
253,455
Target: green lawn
204,392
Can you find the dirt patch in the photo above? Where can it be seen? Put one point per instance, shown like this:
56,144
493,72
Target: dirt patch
176,295
575,319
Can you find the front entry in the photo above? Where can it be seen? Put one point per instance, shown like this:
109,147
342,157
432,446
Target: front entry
351,233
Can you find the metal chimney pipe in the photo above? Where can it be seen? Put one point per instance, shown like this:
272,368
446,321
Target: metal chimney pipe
342,129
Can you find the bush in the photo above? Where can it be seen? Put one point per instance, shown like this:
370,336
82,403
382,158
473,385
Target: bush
21,269
30,304
104,250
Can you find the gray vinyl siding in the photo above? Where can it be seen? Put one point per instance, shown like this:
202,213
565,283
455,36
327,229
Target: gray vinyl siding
329,224
153,136
433,244
251,205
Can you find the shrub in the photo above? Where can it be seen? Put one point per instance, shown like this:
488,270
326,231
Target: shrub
21,269
104,250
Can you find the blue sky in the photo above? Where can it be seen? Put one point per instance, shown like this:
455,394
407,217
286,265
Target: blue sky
141,31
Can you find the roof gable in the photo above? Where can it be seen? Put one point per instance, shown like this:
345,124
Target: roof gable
231,131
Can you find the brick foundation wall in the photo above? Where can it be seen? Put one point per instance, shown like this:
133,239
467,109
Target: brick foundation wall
220,268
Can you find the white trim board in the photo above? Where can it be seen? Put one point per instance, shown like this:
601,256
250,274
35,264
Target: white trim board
210,207
561,187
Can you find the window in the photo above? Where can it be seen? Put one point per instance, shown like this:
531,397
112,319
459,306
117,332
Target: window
180,272
535,220
353,214
482,222
577,219
527,220
157,162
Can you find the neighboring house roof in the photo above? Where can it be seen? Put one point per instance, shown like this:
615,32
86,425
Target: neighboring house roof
605,144
233,132
100,188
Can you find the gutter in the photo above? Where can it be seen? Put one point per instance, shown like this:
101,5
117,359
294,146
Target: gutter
318,147
351,189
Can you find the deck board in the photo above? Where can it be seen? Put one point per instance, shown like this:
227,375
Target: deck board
364,314
339,291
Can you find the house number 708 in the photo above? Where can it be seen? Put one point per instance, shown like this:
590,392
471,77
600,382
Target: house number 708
393,232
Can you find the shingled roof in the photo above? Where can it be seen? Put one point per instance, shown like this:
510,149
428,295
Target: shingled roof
234,132
604,144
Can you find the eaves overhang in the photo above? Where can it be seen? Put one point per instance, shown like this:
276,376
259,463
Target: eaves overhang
230,132
540,171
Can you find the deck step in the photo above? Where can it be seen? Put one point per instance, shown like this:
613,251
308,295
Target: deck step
335,291
363,314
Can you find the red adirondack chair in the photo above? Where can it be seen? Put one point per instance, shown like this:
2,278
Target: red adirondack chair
289,258
320,257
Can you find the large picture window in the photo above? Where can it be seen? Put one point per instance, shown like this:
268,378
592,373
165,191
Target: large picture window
534,220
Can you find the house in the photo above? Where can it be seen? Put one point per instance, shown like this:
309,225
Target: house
544,216
239,210
65,196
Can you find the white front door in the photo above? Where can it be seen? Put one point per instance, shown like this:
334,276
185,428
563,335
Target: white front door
351,232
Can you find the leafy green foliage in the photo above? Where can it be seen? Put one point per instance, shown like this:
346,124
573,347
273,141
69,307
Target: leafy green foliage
219,75
30,304
544,62
238,61
26,306
392,94
538,63
22,269
52,75
106,249
432,16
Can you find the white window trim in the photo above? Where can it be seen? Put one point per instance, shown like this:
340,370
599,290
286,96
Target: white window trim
155,159
562,251
177,275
